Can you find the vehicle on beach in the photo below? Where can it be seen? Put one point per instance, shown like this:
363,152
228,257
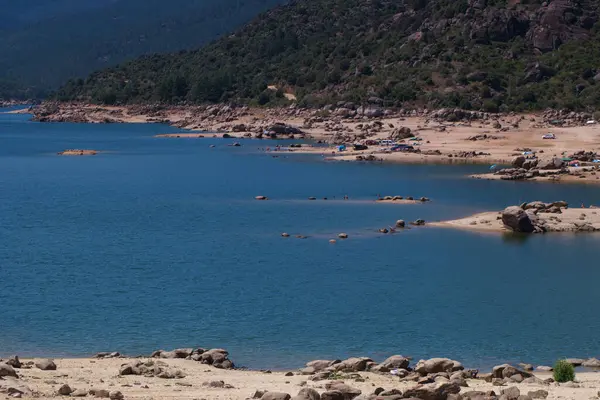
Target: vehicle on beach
549,136
360,147
402,147
387,142
591,122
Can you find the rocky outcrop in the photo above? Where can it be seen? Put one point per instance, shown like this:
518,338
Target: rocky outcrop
150,369
218,358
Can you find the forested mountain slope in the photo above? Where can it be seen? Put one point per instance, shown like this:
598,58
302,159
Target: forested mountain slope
482,54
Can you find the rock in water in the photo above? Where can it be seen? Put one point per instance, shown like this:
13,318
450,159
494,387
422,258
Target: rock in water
46,365
517,220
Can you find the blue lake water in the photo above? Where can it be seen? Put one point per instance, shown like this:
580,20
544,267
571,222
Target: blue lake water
159,243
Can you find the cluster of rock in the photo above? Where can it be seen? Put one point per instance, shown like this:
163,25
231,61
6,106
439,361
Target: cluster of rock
14,389
565,118
540,217
436,379
218,358
585,156
468,154
484,137
529,168
401,198
151,369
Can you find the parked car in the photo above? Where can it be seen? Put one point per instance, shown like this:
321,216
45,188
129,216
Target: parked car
402,147
360,147
387,142
549,136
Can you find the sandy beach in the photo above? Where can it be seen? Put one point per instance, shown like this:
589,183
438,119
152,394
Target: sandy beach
200,381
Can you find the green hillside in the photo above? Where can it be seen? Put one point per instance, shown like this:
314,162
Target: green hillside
473,54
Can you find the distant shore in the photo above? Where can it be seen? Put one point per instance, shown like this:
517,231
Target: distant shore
437,137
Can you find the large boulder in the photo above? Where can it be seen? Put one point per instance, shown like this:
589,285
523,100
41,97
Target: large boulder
518,161
531,163
307,394
353,364
401,133
275,396
332,395
591,363
319,365
434,365
392,362
517,220
433,391
512,393
218,358
46,365
7,370
507,371
553,163
65,390
177,353
347,392
576,362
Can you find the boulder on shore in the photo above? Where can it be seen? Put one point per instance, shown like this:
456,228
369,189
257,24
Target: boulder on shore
46,365
7,370
434,365
517,220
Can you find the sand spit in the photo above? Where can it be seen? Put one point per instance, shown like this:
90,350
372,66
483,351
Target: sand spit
535,217
181,135
78,152
358,377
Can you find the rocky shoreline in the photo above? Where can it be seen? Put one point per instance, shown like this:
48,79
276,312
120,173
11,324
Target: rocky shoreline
358,133
202,373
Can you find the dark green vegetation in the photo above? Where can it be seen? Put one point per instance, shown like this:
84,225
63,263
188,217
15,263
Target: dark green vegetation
563,371
442,53
44,43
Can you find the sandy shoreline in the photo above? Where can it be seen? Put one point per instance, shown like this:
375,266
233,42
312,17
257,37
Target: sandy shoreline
203,381
492,221
483,138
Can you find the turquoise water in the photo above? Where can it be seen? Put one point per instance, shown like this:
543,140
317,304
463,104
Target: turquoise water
158,243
